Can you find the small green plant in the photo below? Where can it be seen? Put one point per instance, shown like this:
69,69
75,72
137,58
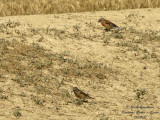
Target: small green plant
117,35
38,100
140,93
17,113
78,72
65,70
22,94
76,27
3,97
37,46
39,65
78,102
104,117
100,76
153,55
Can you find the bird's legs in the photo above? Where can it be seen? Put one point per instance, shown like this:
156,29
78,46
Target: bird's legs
106,30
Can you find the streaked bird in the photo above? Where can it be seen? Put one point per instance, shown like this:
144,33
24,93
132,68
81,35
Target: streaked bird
108,24
81,95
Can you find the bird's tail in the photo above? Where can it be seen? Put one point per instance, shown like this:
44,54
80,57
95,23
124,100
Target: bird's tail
90,97
117,28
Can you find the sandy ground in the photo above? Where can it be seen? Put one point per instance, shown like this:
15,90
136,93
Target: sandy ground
80,36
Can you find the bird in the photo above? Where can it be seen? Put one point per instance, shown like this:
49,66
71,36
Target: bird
81,95
108,24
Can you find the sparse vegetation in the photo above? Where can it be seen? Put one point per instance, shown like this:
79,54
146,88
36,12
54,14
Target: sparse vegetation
38,100
78,101
117,35
19,7
17,113
140,93
104,117
3,97
38,60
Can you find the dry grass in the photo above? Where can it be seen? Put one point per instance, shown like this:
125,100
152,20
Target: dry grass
19,7
40,68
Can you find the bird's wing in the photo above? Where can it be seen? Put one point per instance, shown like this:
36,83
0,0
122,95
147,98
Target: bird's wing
110,23
85,94
81,92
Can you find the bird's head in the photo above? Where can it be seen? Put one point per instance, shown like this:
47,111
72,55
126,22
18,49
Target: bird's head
75,89
101,19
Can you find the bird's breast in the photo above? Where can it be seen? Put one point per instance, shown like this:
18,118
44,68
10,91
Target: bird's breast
103,24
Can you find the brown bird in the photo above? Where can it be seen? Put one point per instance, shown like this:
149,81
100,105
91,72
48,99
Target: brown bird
108,24
81,95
